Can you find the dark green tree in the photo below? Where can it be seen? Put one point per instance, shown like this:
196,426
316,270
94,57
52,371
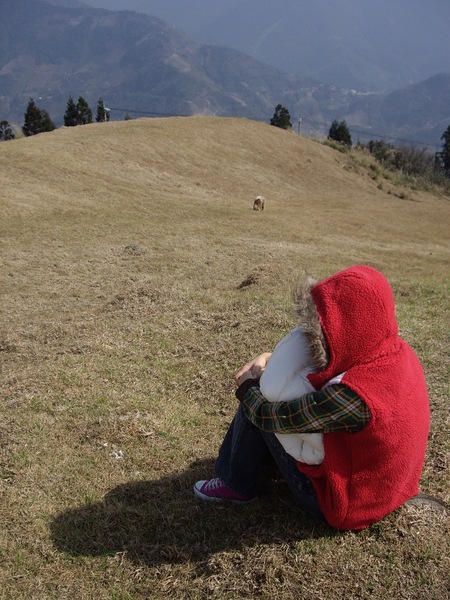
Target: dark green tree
71,114
339,132
102,112
446,151
281,117
32,119
46,122
6,133
36,120
84,112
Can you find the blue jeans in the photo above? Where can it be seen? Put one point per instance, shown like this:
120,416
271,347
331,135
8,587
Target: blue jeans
245,449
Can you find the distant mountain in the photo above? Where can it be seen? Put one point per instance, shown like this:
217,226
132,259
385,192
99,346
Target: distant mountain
142,66
135,62
360,44
419,112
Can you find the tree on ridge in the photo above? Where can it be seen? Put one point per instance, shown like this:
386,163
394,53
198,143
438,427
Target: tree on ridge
339,132
281,117
6,133
36,120
102,112
71,114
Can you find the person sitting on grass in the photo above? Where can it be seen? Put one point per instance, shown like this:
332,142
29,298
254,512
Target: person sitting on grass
369,405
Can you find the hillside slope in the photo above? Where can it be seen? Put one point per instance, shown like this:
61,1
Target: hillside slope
167,182
135,280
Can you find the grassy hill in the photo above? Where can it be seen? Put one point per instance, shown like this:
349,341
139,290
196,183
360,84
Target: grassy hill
135,280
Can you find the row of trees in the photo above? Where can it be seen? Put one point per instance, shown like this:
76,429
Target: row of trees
81,114
411,161
37,120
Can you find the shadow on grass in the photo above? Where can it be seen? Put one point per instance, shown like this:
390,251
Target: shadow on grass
161,521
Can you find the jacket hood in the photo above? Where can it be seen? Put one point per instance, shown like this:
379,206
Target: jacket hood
357,315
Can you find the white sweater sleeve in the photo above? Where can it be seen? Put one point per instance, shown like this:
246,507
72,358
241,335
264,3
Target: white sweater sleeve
285,379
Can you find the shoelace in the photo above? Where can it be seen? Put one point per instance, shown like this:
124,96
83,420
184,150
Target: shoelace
213,484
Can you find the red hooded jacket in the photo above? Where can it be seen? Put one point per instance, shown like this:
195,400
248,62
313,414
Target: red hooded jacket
368,474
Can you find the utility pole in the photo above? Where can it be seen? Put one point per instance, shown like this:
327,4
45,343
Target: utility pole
299,125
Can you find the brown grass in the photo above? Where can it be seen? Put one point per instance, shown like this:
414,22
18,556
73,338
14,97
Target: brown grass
136,278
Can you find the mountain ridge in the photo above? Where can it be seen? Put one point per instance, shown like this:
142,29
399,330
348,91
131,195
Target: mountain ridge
142,65
358,44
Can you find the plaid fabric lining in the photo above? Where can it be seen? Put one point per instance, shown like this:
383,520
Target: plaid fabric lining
335,408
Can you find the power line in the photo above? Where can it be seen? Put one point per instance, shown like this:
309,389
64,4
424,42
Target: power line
152,114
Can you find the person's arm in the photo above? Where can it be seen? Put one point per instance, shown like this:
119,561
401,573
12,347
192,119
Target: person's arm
335,408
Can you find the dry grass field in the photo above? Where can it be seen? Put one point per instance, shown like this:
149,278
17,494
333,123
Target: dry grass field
135,279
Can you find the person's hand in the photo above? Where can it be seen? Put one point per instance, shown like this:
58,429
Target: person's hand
253,369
